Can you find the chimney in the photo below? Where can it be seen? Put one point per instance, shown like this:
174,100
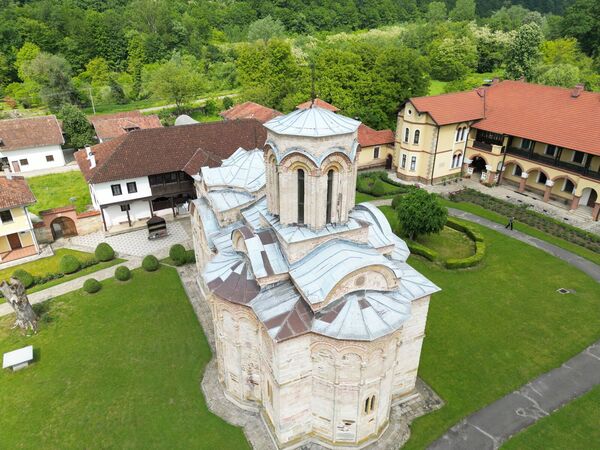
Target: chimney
577,90
90,156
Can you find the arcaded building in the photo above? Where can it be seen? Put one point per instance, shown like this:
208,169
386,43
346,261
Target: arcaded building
318,318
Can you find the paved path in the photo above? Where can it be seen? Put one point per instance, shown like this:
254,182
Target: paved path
491,426
77,283
593,270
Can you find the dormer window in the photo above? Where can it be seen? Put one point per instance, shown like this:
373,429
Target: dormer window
131,128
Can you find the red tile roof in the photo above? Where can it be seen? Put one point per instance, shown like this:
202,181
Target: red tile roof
181,148
15,192
545,114
320,103
109,126
451,108
367,136
250,110
30,132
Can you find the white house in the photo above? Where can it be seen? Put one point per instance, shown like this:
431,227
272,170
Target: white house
149,172
32,143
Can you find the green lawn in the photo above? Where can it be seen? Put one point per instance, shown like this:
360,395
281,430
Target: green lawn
449,243
437,87
495,217
50,264
494,327
574,427
116,369
57,189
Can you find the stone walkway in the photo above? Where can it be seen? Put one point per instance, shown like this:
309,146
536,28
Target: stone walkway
136,242
493,425
77,283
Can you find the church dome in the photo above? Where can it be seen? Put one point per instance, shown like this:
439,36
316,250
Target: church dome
312,122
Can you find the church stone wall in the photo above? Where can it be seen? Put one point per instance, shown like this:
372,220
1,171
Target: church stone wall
313,387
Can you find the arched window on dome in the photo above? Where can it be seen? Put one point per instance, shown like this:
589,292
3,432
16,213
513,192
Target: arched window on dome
300,196
329,213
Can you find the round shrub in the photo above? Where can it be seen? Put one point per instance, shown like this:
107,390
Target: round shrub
150,263
378,188
177,254
104,252
190,256
122,273
91,286
24,277
69,264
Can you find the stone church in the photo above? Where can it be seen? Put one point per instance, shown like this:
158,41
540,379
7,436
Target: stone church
318,318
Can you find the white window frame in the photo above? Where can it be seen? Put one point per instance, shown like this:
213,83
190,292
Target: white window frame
553,153
413,163
564,187
582,159
539,176
403,161
416,137
406,135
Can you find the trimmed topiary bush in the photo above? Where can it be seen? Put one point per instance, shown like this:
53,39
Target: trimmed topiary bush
69,264
150,263
24,277
91,286
177,254
104,252
122,273
419,249
190,257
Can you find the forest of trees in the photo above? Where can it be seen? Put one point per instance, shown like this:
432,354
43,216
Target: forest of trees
57,52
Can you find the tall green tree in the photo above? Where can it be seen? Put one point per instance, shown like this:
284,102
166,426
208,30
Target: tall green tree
464,10
452,58
582,21
27,53
524,53
53,74
436,12
76,127
176,80
265,29
419,212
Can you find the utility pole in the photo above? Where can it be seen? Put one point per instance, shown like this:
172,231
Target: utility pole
92,99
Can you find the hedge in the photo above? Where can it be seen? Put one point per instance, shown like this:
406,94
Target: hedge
374,183
150,263
419,249
469,261
122,273
104,252
24,277
459,225
91,286
69,264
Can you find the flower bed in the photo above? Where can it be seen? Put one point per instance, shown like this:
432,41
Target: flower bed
531,218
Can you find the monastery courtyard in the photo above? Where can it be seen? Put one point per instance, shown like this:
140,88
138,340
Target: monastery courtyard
118,366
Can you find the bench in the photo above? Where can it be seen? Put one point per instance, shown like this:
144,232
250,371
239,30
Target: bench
18,359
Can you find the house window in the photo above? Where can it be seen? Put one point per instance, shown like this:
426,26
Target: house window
456,160
463,134
49,158
156,180
406,134
413,163
132,187
24,162
526,144
369,404
517,171
300,196
409,111
6,216
376,153
416,137
328,217
568,186
403,165
542,178
125,208
116,189
550,150
578,157
170,177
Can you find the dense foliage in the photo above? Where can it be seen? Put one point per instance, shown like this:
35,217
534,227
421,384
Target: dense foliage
109,53
419,212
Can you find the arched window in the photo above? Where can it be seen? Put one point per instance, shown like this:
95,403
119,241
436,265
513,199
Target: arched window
329,216
300,196
463,134
457,139
406,134
416,137
369,404
456,160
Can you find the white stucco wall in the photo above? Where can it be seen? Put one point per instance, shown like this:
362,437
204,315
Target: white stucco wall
139,210
36,157
102,192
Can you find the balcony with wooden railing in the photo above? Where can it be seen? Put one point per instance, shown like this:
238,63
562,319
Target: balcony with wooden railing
555,162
